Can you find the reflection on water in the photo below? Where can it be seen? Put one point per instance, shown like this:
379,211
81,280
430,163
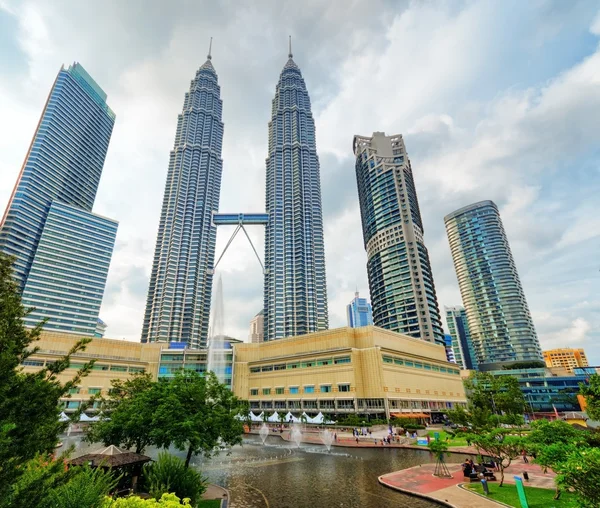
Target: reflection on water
280,476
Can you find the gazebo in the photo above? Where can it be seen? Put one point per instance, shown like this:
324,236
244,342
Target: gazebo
112,457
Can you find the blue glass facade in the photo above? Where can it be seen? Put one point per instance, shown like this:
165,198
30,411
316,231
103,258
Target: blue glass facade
500,324
460,337
63,164
179,294
67,277
359,312
295,289
400,278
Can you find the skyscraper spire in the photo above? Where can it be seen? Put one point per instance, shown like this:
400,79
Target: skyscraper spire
290,48
209,56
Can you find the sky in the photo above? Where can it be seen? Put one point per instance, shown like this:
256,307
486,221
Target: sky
496,100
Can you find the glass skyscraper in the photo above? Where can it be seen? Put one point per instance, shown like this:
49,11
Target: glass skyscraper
400,279
62,251
179,295
359,312
499,320
64,163
68,274
295,289
460,336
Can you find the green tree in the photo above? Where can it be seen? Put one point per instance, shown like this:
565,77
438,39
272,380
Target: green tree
580,471
130,406
197,414
29,403
591,392
500,444
499,395
87,487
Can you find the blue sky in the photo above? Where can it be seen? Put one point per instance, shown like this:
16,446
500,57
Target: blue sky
496,100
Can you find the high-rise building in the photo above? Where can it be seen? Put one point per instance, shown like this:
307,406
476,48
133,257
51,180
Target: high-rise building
63,164
449,351
460,337
295,289
257,327
400,278
499,320
567,358
179,294
359,312
67,278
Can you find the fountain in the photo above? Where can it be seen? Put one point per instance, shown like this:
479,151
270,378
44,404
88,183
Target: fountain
264,432
327,438
296,435
216,352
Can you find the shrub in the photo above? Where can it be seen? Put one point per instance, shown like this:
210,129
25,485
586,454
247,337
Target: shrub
88,487
165,501
169,474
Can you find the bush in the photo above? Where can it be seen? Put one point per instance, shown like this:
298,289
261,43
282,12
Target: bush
407,424
88,487
169,474
165,501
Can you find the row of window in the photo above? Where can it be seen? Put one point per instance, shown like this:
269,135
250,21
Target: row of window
295,390
97,366
321,362
419,365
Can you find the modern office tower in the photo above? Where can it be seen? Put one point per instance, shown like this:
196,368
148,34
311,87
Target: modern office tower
400,279
359,312
499,320
100,329
67,277
179,295
462,345
567,358
295,290
63,164
257,327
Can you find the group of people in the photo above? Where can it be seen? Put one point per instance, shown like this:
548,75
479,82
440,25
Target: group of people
481,470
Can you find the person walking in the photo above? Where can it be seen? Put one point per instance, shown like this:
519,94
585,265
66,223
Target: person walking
525,459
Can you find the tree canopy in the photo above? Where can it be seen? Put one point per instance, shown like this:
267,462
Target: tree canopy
29,402
591,392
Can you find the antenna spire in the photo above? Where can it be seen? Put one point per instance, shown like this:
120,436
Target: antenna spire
210,50
290,48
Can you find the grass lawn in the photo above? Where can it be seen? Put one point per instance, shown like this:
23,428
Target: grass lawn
460,441
536,498
209,503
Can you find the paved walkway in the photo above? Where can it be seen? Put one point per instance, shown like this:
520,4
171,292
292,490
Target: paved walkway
215,492
419,480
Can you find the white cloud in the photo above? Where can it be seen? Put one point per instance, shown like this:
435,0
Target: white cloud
595,27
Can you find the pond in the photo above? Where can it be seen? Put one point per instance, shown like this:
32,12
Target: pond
280,475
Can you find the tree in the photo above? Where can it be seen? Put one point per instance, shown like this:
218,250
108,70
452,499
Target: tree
169,474
439,449
197,414
29,403
591,393
500,445
580,471
499,395
129,406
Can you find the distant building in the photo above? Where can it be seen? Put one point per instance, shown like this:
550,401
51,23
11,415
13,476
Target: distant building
460,336
100,329
367,371
359,312
566,358
500,323
257,327
400,277
449,352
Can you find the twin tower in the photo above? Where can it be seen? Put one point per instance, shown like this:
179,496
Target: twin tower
295,295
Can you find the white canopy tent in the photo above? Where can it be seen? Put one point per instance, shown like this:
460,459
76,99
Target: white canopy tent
274,418
88,419
63,417
289,417
254,418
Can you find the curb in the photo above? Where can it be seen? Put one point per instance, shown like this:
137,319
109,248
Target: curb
500,503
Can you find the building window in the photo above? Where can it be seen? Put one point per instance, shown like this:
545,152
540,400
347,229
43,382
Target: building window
344,387
325,388
94,391
73,391
118,368
388,359
99,366
33,363
254,391
279,390
309,389
266,391
294,390
254,370
342,359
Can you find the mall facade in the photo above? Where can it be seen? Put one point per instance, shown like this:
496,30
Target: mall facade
369,371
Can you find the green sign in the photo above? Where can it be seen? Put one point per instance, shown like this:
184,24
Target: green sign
521,491
436,436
